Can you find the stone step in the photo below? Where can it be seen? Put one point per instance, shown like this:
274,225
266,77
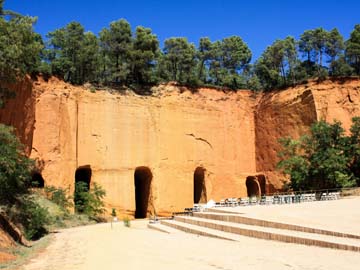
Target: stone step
282,235
199,230
238,218
161,227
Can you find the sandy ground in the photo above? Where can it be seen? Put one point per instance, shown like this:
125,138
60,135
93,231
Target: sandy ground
338,215
100,247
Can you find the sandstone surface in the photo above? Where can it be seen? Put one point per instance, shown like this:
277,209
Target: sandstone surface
292,111
226,137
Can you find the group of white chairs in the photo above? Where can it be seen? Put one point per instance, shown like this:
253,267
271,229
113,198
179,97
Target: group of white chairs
267,200
330,196
278,199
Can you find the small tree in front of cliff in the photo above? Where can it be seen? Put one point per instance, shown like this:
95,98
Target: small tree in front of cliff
320,160
89,202
15,181
352,149
15,167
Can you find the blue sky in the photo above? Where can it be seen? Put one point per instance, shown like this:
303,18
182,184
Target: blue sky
257,22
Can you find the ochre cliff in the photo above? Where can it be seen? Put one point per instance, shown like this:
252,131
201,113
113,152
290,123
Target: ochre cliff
174,139
171,133
19,112
291,112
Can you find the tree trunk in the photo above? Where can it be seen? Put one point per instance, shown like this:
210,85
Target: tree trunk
282,69
201,69
174,71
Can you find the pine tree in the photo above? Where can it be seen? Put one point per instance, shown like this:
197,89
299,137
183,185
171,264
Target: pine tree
353,49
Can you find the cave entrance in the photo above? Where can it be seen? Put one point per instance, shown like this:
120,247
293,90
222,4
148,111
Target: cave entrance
142,181
199,186
82,185
252,186
37,181
262,182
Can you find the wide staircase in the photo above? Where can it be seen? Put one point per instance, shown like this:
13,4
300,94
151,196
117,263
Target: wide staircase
232,226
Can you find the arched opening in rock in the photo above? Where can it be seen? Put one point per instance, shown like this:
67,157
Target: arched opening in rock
37,181
142,181
252,186
262,182
199,185
82,185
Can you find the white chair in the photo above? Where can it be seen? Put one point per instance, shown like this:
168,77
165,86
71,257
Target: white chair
269,200
324,196
263,200
222,203
244,201
234,202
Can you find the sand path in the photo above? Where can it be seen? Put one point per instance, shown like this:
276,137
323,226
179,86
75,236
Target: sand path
100,247
337,215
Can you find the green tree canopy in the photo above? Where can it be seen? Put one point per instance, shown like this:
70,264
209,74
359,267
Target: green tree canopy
235,54
312,44
226,60
179,60
122,58
65,44
89,58
20,50
144,55
324,159
334,44
353,49
204,54
116,43
352,149
279,64
73,53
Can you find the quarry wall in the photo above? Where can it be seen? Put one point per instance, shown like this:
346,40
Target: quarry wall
171,140
291,112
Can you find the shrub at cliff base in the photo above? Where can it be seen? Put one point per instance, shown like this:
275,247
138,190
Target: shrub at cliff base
15,179
89,202
15,167
324,159
32,217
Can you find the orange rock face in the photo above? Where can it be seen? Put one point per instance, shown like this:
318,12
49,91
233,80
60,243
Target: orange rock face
292,111
19,112
122,141
172,134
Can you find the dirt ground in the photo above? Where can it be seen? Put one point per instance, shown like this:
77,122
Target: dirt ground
5,257
100,247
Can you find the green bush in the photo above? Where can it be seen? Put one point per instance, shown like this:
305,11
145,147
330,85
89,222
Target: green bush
32,216
89,202
324,159
15,167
